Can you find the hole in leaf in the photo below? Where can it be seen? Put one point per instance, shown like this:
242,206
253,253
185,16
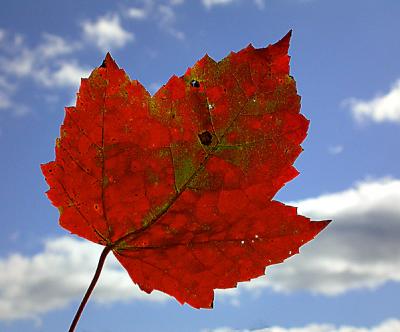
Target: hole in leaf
195,84
205,138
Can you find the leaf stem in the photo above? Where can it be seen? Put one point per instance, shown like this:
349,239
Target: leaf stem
89,291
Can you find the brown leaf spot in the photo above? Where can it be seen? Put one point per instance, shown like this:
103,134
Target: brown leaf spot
195,83
205,138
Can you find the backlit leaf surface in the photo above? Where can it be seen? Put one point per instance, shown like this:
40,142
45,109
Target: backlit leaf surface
181,184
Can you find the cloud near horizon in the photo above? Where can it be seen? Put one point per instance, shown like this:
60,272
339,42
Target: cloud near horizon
59,275
347,255
390,325
382,108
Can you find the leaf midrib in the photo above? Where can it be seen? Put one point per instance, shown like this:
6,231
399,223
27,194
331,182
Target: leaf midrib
167,206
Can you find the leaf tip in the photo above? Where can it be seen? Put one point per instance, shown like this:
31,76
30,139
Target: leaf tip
321,224
206,58
48,168
108,62
327,222
285,41
288,35
250,46
43,167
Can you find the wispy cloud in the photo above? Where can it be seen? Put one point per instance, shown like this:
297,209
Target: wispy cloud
260,3
6,88
47,63
53,46
164,14
106,32
5,101
7,92
137,13
59,275
167,20
2,34
19,65
382,108
214,3
335,149
52,62
67,74
390,325
176,2
25,61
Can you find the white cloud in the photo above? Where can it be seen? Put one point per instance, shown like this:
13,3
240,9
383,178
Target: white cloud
5,101
384,107
2,35
54,46
176,2
69,74
19,65
59,275
359,249
52,74
212,3
66,74
167,20
7,92
260,4
27,61
45,63
106,32
390,325
335,149
22,59
5,85
137,13
163,14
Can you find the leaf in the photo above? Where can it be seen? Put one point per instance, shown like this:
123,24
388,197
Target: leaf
180,185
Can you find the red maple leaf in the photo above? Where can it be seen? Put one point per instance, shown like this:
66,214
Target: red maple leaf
180,185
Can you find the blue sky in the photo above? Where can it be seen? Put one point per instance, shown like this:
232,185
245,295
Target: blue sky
345,61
